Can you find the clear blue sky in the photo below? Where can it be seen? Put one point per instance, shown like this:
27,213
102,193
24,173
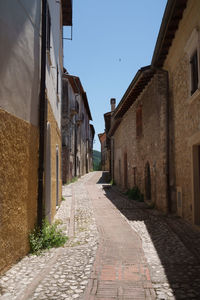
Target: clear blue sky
112,39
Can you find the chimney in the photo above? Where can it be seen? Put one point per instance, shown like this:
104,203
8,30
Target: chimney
112,103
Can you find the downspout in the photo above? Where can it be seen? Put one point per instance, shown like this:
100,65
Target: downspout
75,152
42,117
168,195
113,159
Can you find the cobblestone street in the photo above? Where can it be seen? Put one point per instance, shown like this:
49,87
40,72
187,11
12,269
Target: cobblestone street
117,249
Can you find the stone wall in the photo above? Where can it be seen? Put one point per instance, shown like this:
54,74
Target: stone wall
184,113
150,147
18,186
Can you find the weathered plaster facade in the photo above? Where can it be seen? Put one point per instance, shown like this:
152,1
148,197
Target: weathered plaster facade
55,161
20,55
77,140
18,186
19,143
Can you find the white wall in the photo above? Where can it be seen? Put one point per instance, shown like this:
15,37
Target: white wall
20,58
55,59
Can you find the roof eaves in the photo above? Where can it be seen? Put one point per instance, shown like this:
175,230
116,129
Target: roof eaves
170,22
114,127
137,85
85,100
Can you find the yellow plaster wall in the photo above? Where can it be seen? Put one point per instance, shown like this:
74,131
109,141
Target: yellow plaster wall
18,186
55,140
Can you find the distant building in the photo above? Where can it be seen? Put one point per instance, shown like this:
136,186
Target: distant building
77,132
30,119
104,161
91,143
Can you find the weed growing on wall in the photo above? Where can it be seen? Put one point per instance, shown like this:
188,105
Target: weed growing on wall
47,237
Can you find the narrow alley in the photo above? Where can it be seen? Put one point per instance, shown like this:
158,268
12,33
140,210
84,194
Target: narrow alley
117,249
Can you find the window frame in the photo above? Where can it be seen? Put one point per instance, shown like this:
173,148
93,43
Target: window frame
194,72
192,47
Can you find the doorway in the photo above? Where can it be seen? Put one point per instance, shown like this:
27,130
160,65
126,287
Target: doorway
147,181
196,183
125,171
57,176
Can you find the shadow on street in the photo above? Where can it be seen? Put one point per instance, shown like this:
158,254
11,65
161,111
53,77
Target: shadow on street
176,242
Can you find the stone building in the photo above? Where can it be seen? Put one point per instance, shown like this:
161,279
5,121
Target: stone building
77,132
91,143
30,121
178,52
105,139
104,156
160,114
138,130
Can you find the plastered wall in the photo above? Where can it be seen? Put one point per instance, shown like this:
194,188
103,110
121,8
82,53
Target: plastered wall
20,58
18,186
55,142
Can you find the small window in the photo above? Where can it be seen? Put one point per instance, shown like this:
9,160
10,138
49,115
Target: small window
48,30
57,80
139,121
194,72
77,106
192,48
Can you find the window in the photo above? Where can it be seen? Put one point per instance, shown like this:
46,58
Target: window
194,72
48,30
139,121
57,81
192,50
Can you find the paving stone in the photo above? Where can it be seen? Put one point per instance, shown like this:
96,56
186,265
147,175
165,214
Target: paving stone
166,241
79,251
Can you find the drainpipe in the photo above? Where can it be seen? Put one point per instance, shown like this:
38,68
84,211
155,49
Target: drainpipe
168,149
42,117
75,152
168,196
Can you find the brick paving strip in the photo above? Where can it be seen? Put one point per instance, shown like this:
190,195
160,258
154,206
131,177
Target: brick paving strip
171,246
120,269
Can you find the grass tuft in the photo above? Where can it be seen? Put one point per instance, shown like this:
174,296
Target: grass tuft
49,236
